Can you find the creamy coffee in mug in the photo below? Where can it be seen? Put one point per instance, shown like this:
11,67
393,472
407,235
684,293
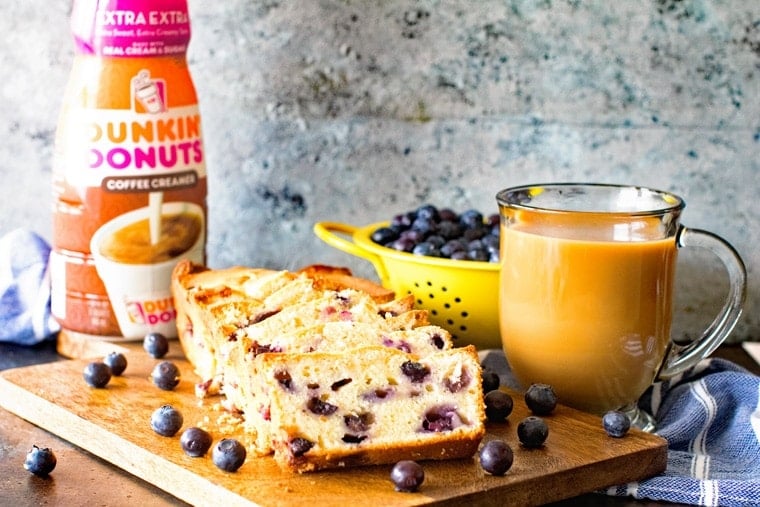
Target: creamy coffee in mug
586,291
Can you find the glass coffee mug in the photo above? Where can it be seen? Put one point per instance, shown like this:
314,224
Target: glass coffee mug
586,291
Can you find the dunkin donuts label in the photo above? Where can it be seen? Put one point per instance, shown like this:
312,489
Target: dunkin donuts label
129,175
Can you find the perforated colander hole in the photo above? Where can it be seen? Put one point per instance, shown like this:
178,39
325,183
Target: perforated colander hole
430,295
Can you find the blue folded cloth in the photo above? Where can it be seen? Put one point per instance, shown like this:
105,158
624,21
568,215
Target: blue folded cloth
710,416
25,316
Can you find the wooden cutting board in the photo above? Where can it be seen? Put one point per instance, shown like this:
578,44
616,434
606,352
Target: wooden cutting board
114,423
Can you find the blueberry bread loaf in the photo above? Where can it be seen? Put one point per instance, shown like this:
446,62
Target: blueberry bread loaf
375,405
285,348
244,392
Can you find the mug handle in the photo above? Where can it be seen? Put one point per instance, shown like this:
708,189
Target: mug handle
681,357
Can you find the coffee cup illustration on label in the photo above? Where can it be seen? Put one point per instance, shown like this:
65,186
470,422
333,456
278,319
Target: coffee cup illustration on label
147,92
137,271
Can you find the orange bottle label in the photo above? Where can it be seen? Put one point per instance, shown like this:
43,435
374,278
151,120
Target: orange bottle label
129,175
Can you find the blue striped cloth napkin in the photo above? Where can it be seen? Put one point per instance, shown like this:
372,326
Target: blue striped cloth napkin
710,416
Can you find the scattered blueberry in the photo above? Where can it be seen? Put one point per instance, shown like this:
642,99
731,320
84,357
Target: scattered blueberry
117,362
498,405
40,461
97,374
616,423
541,399
532,431
166,420
165,375
496,457
491,380
407,476
228,454
156,344
195,441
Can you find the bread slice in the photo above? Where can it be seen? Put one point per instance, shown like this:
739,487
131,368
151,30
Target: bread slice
199,291
196,288
376,405
338,278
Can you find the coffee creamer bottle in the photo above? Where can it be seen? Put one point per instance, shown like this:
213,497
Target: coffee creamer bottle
129,173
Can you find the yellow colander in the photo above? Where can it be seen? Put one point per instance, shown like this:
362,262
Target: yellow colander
460,296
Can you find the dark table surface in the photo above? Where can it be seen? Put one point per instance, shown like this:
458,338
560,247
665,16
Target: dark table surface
84,479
